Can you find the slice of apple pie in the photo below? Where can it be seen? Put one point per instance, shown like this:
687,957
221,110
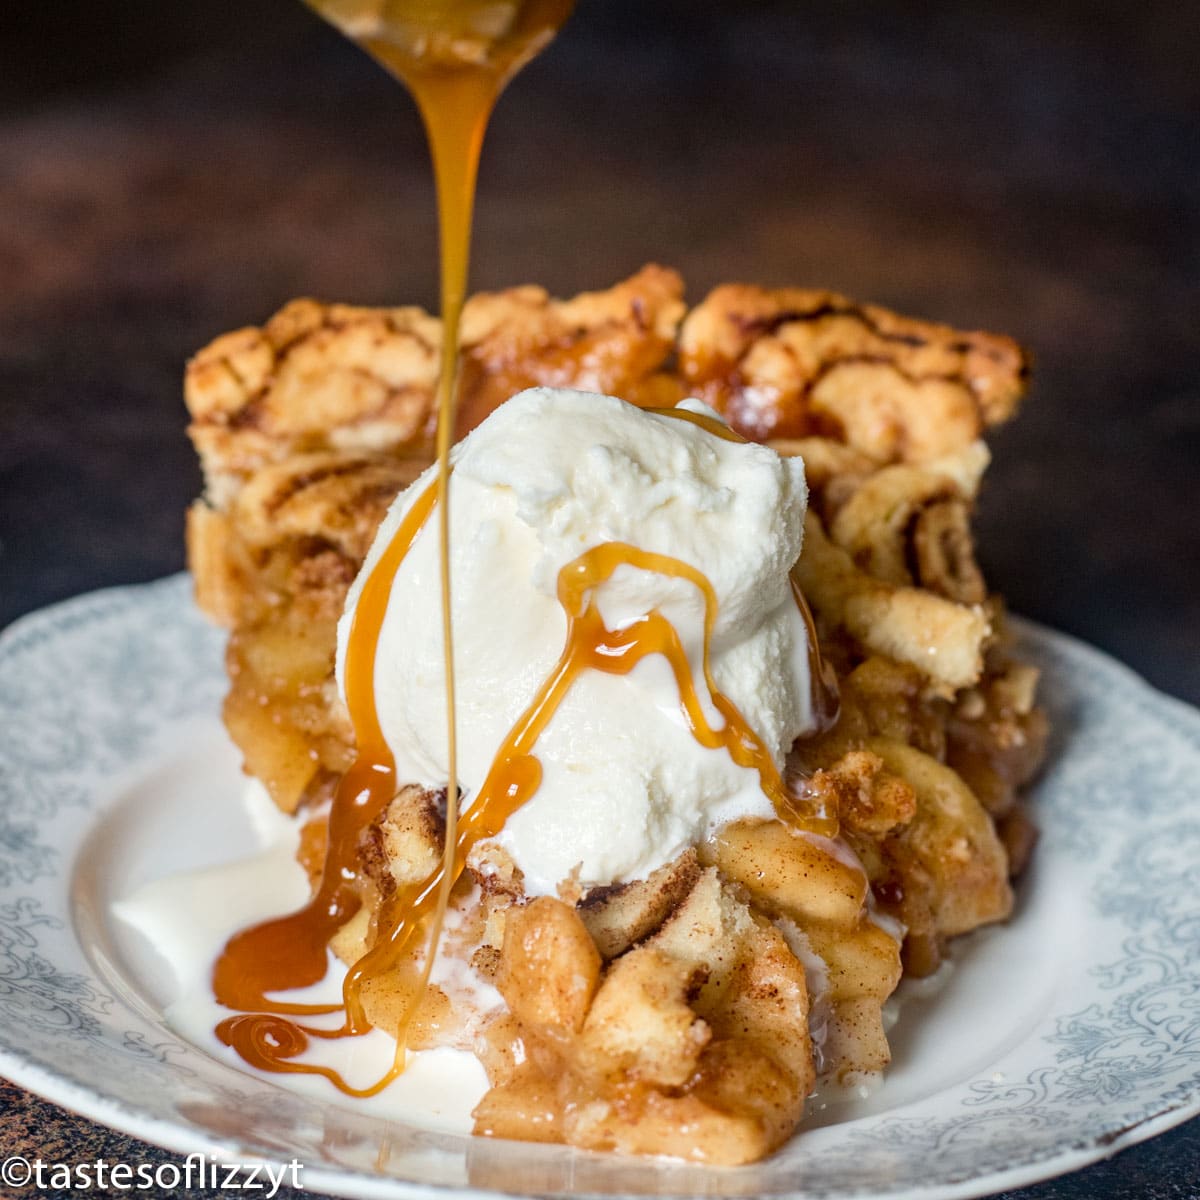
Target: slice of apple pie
687,1010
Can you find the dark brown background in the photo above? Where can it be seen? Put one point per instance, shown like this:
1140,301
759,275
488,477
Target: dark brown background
169,171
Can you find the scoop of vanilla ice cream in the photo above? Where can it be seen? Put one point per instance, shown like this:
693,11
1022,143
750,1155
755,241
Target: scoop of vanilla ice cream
550,474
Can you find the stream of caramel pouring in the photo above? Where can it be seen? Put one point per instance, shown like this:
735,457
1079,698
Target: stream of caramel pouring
455,58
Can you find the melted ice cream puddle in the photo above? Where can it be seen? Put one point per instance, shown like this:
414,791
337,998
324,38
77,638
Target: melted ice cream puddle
188,918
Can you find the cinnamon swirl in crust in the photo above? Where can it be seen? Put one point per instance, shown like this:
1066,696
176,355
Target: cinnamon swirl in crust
334,377
790,362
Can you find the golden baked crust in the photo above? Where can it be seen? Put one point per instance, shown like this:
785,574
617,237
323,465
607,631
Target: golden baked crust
615,341
316,377
333,377
275,567
682,1014
790,362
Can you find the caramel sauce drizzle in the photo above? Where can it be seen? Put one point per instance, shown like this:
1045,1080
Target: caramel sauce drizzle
713,425
516,773
822,680
269,1041
293,951
265,1038
455,57
455,82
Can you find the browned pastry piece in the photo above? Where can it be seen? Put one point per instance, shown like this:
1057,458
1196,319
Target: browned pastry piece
316,377
693,1043
928,791
621,915
932,700
275,567
615,341
334,377
791,362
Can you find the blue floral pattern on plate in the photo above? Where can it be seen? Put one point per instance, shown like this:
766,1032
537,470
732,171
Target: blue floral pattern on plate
98,692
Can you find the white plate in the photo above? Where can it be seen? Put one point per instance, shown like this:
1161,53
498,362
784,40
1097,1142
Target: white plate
1057,1039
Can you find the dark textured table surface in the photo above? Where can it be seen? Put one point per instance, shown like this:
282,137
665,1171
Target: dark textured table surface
171,171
